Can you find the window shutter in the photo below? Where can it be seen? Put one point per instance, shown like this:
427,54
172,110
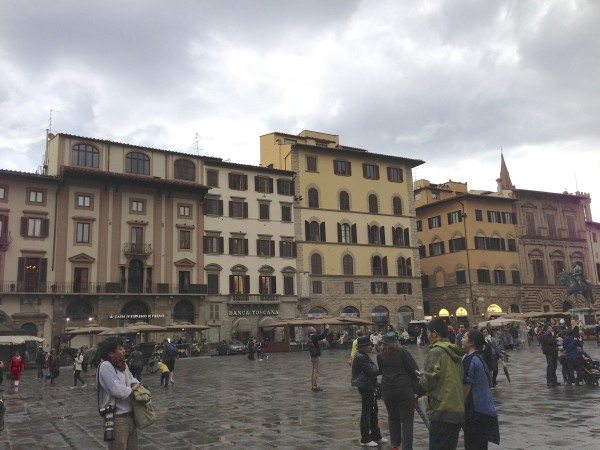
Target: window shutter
256,180
384,265
273,285
369,234
401,172
23,226
443,247
339,230
43,273
385,289
231,285
258,246
514,218
21,270
322,229
46,228
230,209
364,170
245,246
431,249
231,246
231,185
449,218
464,243
221,245
389,173
349,168
502,244
335,167
246,284
204,208
382,235
451,245
245,182
353,231
407,237
487,243
245,210
280,249
372,288
294,249
292,191
270,185
307,230
272,253
489,215
220,207
279,189
204,243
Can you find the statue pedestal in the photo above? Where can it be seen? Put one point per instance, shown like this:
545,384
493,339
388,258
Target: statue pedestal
586,316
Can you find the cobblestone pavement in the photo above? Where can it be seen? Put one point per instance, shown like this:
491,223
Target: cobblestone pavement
231,402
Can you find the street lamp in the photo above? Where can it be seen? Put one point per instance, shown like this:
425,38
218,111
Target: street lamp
463,215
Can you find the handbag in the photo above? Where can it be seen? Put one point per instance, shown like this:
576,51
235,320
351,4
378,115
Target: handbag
143,411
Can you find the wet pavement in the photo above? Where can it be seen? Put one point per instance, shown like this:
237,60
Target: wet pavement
231,402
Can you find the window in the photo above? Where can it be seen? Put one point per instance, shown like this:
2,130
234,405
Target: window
263,211
238,181
136,206
85,156
435,194
371,171
265,247
539,275
138,163
376,234
81,279
286,213
499,276
394,174
483,276
571,227
516,276
496,243
213,244
530,221
418,196
238,209
594,237
425,281
348,287
185,170
461,277
313,198
316,264
314,231
238,246
436,249
311,163
213,312
185,240
419,225
266,285
212,178
510,218
373,204
84,201
213,206
3,228
263,184
404,288
397,206
34,227
317,287
457,244
559,266
404,267
2,193
479,243
137,236
512,245
344,201
348,265
342,167
434,222
400,237
454,217
422,251
185,211
494,217
212,282
82,232
379,266
285,187
479,215
34,196
288,285
287,249
379,287
345,233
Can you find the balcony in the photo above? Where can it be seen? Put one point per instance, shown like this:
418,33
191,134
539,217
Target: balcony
18,287
135,249
5,242
254,298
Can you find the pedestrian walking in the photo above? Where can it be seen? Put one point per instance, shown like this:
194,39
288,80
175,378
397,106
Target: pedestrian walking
40,362
53,366
250,346
481,419
136,363
15,367
364,377
169,356
398,382
442,381
315,354
491,355
77,369
115,386
550,350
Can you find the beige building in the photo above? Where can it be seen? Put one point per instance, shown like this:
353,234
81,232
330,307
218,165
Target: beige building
593,235
355,227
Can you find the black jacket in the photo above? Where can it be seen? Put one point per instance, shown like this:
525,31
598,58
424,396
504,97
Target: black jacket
398,372
364,371
549,345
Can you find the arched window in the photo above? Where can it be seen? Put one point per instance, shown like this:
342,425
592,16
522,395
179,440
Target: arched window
405,314
408,267
313,198
401,264
379,265
316,264
138,163
374,235
397,206
406,237
348,265
85,156
79,310
29,329
183,311
380,318
185,170
345,233
514,308
349,311
344,201
315,231
317,312
373,204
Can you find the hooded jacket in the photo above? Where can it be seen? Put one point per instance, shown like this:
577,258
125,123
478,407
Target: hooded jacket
442,380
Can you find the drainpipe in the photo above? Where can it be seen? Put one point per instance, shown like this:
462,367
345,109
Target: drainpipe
464,220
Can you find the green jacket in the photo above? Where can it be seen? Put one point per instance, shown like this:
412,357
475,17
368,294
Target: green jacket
442,380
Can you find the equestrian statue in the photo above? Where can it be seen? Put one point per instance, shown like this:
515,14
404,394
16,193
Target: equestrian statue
576,283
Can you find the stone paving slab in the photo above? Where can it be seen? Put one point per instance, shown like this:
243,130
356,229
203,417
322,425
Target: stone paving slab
234,403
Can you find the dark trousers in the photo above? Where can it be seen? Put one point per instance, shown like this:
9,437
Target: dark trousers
401,414
164,379
474,439
552,362
369,429
573,365
136,371
77,376
494,370
443,435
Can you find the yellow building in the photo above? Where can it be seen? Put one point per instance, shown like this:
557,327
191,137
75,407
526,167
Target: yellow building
355,227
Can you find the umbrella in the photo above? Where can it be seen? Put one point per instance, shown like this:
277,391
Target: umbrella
420,408
499,322
505,369
117,331
356,320
145,327
16,340
92,329
186,326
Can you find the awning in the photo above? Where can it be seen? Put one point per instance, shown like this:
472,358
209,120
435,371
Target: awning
16,340
242,324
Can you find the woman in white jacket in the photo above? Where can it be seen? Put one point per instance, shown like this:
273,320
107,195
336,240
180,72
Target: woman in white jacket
77,369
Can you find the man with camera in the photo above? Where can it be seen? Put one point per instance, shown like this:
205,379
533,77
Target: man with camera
115,387
315,354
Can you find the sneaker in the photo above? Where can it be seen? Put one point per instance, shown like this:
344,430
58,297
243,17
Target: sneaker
317,389
72,387
172,382
369,444
382,441
84,385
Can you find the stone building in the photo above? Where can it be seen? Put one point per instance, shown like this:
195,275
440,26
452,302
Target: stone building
355,227
593,236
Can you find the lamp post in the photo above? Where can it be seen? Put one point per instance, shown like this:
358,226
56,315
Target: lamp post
464,221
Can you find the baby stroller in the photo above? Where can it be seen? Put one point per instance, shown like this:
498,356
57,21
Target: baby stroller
590,369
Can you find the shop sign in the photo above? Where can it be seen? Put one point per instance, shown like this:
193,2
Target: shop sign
253,310
136,316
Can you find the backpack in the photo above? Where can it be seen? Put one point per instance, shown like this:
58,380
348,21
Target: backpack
171,351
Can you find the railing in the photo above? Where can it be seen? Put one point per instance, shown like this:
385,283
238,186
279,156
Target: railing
254,298
137,249
101,288
5,242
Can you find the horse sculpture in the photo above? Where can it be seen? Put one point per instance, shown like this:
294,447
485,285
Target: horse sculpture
577,284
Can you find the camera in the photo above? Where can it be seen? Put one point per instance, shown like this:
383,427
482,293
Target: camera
107,414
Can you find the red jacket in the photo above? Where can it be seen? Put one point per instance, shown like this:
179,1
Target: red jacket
16,365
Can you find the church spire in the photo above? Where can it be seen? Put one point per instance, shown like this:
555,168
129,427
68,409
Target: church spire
504,181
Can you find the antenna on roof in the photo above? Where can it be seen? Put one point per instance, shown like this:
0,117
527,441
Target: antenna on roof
50,120
576,187
196,144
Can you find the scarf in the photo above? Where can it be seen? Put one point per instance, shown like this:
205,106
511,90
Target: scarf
118,362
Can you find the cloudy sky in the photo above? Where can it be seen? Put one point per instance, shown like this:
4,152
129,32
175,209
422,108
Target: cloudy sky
450,82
